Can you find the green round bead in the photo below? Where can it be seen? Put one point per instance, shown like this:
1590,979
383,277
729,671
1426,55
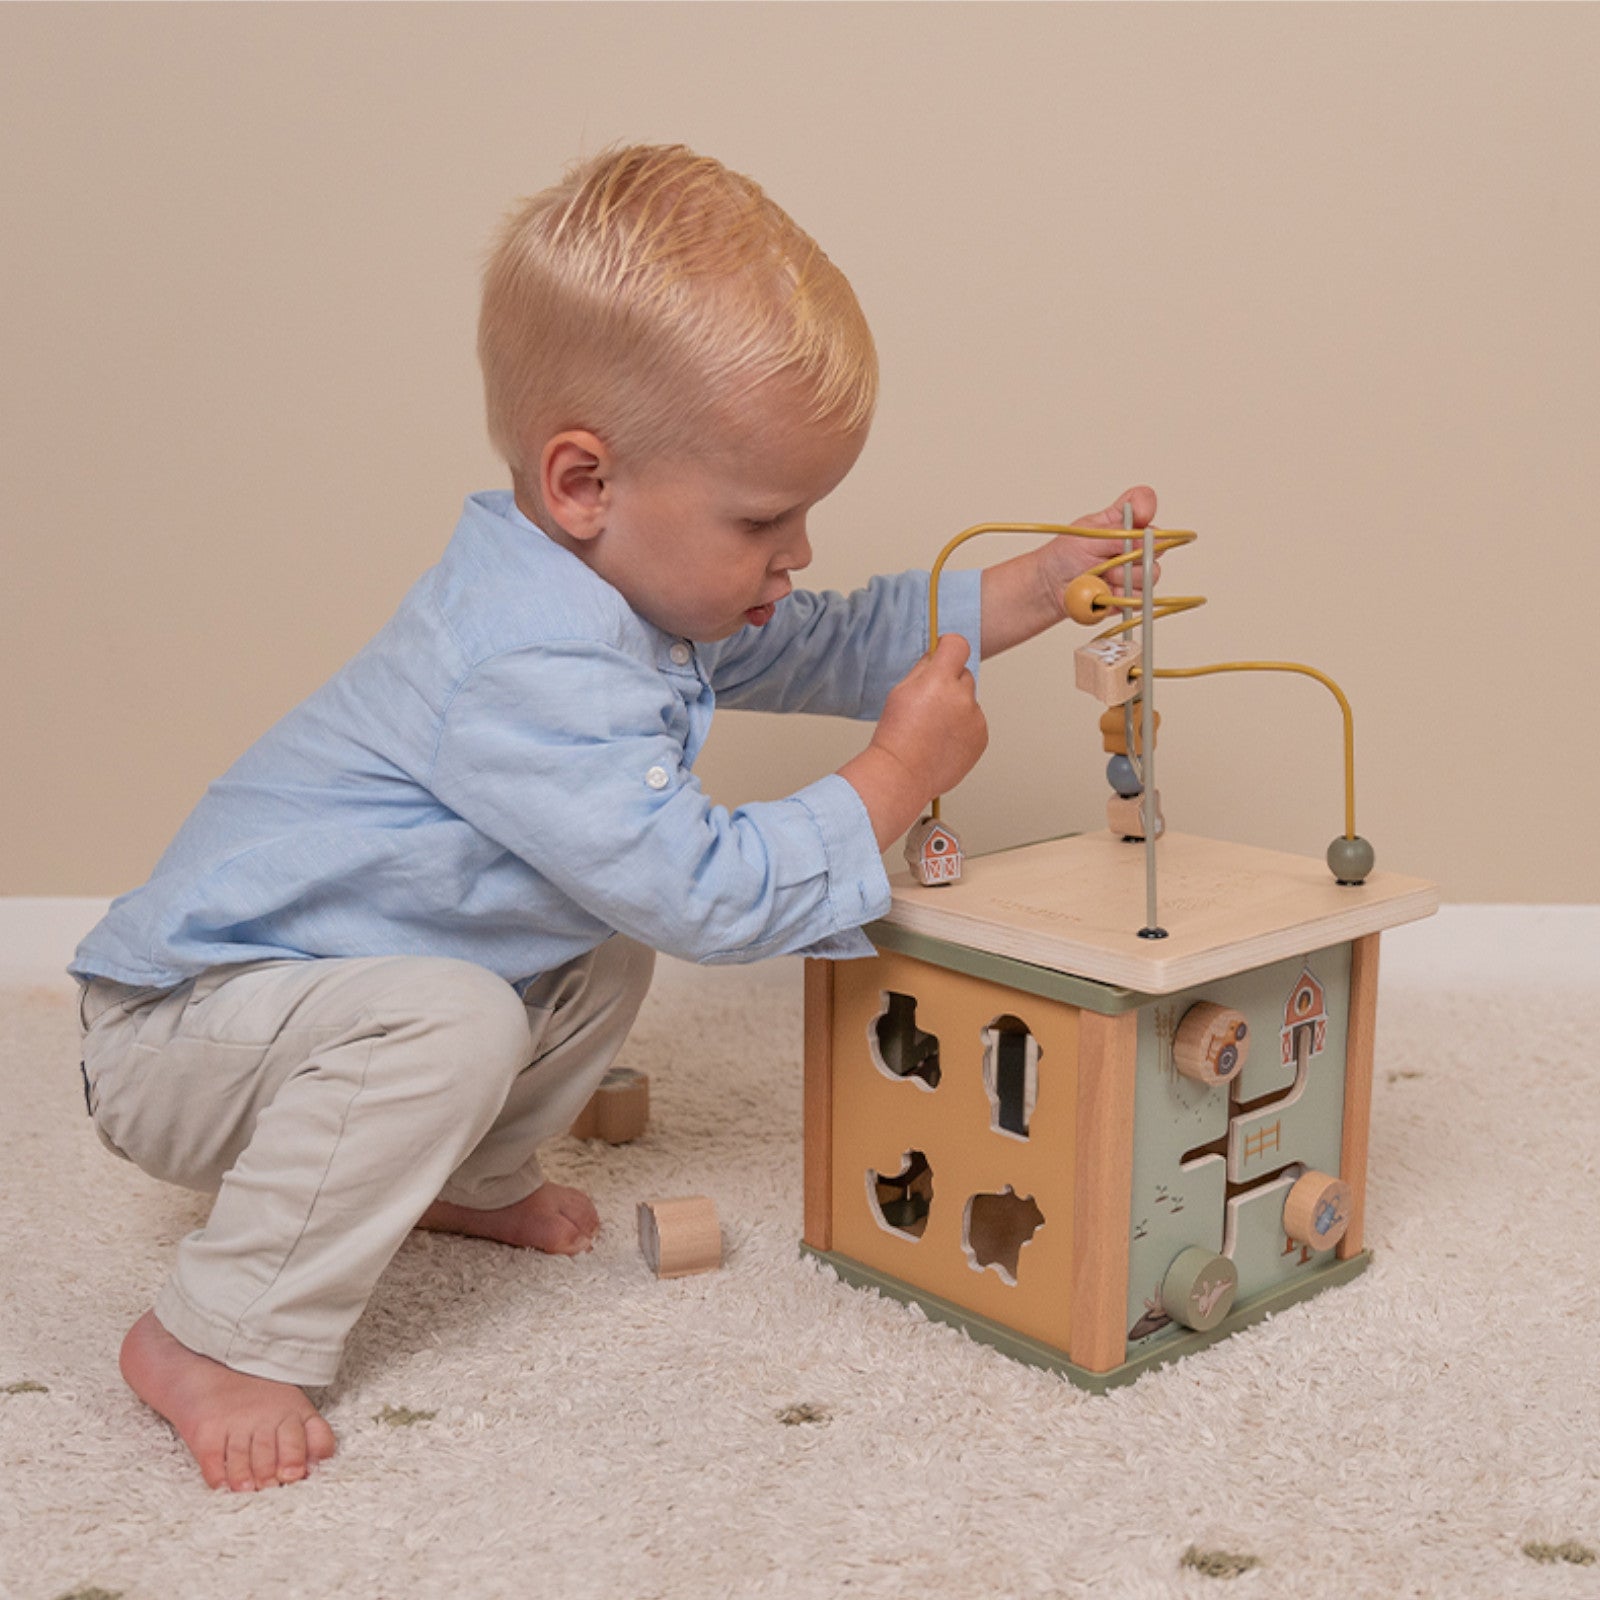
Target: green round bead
1350,860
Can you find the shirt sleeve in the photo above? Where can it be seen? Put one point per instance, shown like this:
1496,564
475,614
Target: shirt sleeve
841,654
571,757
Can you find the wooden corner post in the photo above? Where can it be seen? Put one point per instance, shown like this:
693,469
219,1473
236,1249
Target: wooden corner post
1103,1190
818,1101
1360,1040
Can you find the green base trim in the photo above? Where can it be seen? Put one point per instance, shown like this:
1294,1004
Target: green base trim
1037,1354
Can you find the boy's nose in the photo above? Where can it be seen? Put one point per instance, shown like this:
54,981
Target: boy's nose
796,553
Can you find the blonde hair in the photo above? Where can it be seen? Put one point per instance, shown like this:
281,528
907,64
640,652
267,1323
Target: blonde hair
645,294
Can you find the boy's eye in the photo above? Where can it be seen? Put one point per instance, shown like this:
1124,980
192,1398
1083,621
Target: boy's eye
762,524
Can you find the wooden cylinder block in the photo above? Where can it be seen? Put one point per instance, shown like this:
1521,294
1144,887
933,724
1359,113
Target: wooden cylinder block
618,1111
1211,1043
1317,1210
680,1237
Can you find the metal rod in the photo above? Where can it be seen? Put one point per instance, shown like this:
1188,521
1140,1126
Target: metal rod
1147,700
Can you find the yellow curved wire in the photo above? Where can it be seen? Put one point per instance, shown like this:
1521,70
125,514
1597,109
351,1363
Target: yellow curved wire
1163,540
1305,671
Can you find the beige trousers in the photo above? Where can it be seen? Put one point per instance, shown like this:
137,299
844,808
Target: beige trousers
327,1104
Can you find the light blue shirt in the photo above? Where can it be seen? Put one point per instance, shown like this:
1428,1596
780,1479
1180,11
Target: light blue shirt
504,774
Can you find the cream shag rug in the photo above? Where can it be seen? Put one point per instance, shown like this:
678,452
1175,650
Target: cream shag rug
514,1425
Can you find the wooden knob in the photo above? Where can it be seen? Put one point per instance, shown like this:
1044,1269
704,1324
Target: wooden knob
1211,1043
1317,1211
1199,1287
679,1237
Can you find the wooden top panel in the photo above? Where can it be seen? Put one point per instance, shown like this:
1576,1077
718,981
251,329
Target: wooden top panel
1076,905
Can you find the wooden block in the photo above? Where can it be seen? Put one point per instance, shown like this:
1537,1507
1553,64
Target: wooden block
618,1111
933,853
818,1104
680,1237
1104,668
1123,815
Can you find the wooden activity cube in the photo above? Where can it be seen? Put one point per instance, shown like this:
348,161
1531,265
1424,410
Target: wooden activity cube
1021,1115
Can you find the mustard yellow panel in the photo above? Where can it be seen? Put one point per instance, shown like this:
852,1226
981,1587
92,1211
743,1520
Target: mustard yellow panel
879,1119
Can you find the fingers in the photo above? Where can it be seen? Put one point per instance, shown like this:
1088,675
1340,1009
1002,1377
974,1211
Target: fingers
951,654
1143,500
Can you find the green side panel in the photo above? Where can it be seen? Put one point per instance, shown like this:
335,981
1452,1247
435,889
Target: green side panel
1329,1273
1023,976
1179,1191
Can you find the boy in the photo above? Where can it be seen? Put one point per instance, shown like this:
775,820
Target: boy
397,944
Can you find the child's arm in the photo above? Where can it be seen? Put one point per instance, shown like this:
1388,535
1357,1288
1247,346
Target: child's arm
1022,596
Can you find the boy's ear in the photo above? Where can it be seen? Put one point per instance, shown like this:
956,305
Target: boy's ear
574,478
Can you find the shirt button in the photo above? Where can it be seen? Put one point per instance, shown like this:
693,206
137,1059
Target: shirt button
657,778
680,655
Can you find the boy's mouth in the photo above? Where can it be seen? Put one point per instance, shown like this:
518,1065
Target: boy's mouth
760,616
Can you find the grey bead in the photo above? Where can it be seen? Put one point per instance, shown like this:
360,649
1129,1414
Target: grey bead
1350,860
1121,776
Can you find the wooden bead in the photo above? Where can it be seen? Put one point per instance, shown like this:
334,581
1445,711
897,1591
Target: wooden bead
680,1237
618,1111
1114,731
1211,1043
1199,1287
1104,668
1086,599
1123,816
1350,860
1317,1211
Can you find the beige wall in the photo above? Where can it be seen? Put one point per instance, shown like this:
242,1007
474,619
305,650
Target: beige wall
1326,276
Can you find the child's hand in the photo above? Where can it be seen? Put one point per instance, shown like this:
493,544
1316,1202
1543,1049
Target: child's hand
928,739
1066,557
932,722
1026,594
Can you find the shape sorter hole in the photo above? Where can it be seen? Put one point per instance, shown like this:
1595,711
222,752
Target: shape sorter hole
901,1049
901,1203
995,1229
1010,1075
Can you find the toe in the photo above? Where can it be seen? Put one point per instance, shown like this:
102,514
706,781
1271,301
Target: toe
264,1456
210,1452
291,1450
320,1441
236,1463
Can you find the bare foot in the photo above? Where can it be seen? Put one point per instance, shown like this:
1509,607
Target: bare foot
246,1433
555,1219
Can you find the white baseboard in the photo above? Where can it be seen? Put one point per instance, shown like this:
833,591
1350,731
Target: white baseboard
39,933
